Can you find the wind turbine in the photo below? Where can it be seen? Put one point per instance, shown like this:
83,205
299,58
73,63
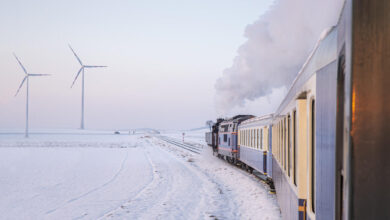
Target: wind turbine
26,78
82,83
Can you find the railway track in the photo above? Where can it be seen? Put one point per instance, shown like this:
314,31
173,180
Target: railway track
180,144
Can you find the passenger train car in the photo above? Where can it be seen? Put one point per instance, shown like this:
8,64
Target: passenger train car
254,144
326,147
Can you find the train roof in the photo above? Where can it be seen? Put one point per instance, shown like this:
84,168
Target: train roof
324,53
257,121
237,118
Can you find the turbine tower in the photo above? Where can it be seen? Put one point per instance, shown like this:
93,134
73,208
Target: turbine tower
82,83
26,78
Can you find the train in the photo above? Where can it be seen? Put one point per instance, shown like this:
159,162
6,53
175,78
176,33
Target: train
326,148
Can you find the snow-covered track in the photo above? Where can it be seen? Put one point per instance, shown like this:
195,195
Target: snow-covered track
180,144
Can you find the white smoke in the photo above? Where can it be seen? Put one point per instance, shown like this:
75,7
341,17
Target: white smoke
277,45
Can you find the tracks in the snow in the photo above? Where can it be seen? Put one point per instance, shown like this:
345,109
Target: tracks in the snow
184,145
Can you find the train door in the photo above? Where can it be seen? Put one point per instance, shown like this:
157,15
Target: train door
367,111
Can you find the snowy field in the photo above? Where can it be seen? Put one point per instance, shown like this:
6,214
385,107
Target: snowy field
99,175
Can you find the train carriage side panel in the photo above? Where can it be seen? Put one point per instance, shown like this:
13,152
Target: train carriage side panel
325,112
252,157
253,150
287,198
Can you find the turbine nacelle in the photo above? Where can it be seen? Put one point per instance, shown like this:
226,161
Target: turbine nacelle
27,74
82,66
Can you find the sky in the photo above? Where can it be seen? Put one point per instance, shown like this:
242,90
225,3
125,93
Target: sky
163,59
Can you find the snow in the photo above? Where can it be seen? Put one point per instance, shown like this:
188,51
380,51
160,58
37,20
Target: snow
99,175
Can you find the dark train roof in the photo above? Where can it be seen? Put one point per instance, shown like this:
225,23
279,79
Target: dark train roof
238,118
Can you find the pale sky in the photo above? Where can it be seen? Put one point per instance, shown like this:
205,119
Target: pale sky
163,56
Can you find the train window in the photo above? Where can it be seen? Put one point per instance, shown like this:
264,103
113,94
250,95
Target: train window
288,143
256,138
250,138
294,145
239,137
261,138
228,141
243,137
280,142
266,138
240,134
276,134
312,155
277,141
224,137
253,138
246,137
285,144
283,152
278,129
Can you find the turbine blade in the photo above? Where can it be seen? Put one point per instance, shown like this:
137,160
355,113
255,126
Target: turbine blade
81,63
94,66
21,84
20,63
34,74
78,73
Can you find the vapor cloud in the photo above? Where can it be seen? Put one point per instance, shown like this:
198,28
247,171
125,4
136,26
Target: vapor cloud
277,45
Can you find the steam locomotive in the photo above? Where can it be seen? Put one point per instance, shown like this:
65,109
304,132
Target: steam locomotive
326,147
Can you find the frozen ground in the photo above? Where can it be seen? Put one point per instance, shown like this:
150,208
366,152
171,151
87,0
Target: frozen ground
92,175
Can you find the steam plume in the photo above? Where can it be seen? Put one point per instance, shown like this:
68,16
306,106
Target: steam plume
277,45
